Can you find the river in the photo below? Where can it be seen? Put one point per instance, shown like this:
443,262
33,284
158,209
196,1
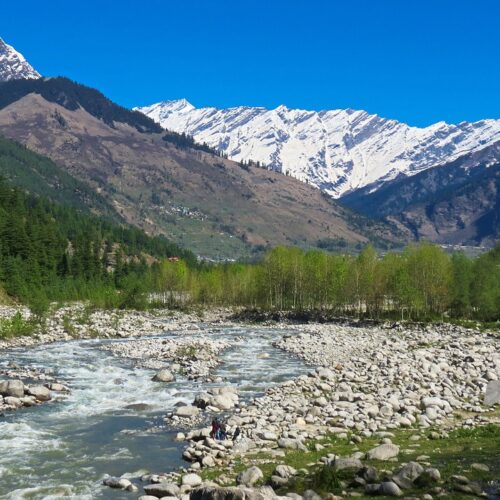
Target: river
63,449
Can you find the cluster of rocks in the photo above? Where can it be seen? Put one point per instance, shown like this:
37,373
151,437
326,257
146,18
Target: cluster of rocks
194,357
14,394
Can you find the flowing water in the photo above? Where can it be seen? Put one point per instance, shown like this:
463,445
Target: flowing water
111,422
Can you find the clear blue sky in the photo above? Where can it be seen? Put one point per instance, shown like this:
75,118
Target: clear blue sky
418,61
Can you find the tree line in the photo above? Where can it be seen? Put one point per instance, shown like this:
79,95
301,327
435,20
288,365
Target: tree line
421,283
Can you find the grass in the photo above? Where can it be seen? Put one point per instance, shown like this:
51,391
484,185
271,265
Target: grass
453,454
17,326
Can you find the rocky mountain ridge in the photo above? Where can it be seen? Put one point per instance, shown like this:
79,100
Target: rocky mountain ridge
13,65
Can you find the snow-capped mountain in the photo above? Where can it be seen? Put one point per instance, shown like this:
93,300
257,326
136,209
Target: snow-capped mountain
337,150
13,65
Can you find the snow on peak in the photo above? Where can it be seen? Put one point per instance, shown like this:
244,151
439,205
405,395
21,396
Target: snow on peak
336,150
13,65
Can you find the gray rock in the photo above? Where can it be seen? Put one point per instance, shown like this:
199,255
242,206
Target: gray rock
291,444
13,388
13,401
162,490
192,480
284,471
341,463
187,411
250,476
118,483
311,495
428,478
40,392
407,474
492,396
164,376
390,489
383,452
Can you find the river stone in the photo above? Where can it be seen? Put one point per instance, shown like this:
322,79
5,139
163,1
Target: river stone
162,490
192,480
187,411
58,387
407,474
119,483
40,392
390,489
13,401
492,396
383,452
13,388
163,376
148,497
250,476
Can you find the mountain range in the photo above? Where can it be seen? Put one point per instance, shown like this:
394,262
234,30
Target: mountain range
338,151
211,180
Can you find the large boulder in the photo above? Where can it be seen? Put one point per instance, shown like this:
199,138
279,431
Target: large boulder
162,490
40,392
405,476
163,376
492,395
383,452
187,411
13,388
191,480
250,476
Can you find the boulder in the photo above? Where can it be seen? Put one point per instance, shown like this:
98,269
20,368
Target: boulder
284,471
162,490
291,444
187,411
13,401
250,476
164,376
13,388
118,483
341,463
492,395
390,489
40,392
383,452
191,480
405,476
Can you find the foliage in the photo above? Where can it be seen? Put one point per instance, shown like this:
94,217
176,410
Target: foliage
420,283
16,326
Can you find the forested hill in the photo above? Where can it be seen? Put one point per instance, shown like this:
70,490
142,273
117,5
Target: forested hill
39,175
60,253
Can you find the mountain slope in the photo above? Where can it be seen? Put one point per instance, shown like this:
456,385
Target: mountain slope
338,150
13,65
458,202
201,201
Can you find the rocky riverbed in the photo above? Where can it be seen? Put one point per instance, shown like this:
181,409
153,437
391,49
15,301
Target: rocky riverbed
371,397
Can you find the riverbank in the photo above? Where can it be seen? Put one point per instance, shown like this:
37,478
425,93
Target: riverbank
376,398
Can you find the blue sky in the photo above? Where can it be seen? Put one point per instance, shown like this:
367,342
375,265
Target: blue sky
417,61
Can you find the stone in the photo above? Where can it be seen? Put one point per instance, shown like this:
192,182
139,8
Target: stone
292,444
428,478
390,489
40,392
148,497
192,480
13,388
187,411
118,483
250,476
407,474
492,395
13,401
383,452
311,495
284,471
369,474
372,489
208,461
162,490
163,376
341,463
480,467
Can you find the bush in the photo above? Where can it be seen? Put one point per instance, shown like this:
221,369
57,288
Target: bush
16,326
